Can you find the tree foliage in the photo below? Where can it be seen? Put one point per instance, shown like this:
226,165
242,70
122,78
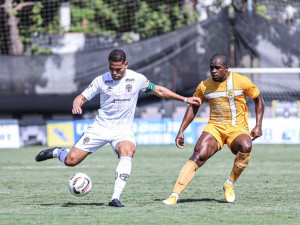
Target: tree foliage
27,19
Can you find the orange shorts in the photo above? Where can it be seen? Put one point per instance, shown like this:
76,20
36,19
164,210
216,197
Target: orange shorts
225,133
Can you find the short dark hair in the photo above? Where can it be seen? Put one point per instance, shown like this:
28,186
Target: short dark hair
117,55
220,57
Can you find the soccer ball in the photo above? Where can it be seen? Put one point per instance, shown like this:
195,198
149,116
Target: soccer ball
80,184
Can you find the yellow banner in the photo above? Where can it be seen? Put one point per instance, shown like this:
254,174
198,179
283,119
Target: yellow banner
60,134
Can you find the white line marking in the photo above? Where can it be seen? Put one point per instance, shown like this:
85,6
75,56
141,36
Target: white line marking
42,167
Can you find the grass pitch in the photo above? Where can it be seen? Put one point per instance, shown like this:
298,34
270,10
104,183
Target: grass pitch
268,192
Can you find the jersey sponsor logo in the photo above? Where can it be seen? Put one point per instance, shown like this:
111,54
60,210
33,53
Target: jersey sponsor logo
86,140
124,176
128,87
129,80
120,100
108,81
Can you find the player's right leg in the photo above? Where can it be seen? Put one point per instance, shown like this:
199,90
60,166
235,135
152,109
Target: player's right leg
92,139
46,154
74,157
68,157
206,147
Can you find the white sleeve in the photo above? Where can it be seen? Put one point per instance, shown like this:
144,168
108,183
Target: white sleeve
146,85
92,89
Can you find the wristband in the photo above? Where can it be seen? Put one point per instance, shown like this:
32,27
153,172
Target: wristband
185,99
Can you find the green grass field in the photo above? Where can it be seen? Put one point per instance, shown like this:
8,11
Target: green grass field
268,192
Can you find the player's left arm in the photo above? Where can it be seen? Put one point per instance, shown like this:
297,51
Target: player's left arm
163,92
259,110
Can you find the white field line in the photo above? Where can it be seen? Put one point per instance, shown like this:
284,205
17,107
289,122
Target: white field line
266,70
42,167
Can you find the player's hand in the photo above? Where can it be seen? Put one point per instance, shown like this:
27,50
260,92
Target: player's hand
256,132
77,110
194,101
180,140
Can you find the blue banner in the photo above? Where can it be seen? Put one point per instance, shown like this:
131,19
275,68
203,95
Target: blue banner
164,131
80,126
147,131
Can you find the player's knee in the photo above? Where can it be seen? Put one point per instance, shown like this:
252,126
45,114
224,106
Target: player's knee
198,156
127,152
245,147
70,161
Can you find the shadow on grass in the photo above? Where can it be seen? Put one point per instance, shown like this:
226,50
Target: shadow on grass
71,204
197,200
201,200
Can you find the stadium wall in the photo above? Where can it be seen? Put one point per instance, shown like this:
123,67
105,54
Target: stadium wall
147,132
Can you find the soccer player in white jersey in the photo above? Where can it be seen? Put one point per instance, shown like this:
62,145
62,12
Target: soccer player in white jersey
118,91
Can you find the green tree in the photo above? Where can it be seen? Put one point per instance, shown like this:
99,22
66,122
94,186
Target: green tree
152,19
93,17
11,9
34,29
262,11
24,19
150,22
20,20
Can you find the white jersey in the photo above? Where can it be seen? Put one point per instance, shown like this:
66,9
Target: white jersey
118,98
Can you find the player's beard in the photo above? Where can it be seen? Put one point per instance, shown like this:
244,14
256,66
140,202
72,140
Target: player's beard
216,77
118,77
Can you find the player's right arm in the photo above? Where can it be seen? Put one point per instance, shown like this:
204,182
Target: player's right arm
86,95
77,103
188,118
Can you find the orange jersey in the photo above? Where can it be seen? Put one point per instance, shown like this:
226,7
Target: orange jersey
227,99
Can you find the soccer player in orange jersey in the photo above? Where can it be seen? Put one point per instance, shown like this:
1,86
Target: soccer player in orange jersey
226,92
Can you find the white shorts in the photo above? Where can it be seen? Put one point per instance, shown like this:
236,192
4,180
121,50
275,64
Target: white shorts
97,136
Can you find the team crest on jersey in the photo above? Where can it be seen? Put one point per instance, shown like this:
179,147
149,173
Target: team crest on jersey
230,94
86,140
128,87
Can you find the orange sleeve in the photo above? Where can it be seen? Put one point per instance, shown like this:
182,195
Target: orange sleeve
250,88
200,92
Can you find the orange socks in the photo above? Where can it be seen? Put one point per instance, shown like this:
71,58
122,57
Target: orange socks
188,171
240,163
186,175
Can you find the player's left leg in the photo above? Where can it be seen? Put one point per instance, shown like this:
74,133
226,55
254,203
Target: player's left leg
241,146
125,150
